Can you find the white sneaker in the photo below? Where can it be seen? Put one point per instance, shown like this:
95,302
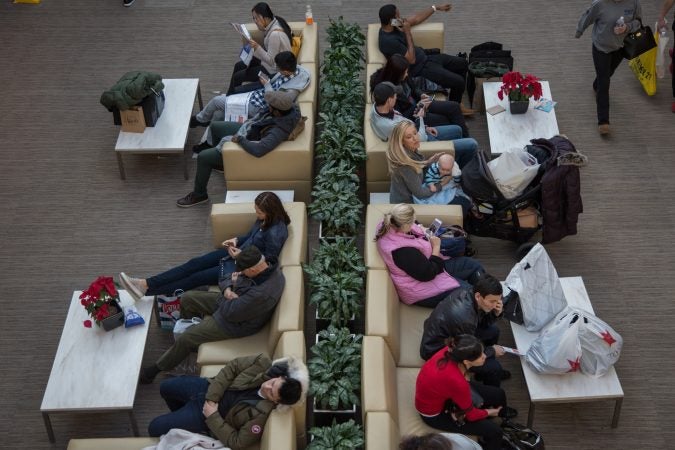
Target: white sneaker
128,2
132,286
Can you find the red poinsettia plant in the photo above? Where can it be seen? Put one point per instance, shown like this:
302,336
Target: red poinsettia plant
100,300
519,88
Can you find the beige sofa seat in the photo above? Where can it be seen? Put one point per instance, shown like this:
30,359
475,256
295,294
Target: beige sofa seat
289,166
309,95
449,215
377,173
425,35
400,325
278,434
288,316
309,50
386,388
291,343
235,219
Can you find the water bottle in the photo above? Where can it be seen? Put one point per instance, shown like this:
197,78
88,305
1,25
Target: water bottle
309,18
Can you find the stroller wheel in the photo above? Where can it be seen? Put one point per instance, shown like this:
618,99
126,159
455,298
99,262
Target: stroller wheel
524,249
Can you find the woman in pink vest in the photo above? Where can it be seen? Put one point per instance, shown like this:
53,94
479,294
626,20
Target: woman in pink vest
420,274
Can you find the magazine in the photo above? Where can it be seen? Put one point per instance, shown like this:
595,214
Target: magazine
237,107
241,29
545,104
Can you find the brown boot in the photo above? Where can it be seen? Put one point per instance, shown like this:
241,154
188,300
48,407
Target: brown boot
466,111
603,129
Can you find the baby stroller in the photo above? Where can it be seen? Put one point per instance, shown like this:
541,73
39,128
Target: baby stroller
506,219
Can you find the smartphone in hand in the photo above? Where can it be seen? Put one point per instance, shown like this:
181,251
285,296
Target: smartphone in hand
434,227
262,75
396,22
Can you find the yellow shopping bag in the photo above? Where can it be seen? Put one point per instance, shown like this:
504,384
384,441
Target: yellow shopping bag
644,68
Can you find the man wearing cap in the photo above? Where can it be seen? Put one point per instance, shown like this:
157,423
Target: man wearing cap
245,304
383,119
257,136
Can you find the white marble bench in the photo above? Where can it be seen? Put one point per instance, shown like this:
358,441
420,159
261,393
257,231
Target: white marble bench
571,387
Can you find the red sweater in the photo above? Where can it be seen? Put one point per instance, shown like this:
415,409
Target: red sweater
434,386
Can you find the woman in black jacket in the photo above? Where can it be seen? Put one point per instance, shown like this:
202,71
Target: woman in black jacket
439,112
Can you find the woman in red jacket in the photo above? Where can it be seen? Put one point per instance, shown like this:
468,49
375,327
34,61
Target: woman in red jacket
443,394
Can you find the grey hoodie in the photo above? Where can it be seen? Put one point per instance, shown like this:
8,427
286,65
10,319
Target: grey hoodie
603,14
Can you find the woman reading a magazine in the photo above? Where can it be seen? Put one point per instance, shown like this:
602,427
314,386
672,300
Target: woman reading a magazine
277,38
269,233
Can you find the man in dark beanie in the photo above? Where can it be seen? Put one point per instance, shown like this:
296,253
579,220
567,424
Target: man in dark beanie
245,304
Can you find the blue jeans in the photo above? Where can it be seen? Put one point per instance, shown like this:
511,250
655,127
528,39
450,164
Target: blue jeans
200,271
185,397
465,148
463,268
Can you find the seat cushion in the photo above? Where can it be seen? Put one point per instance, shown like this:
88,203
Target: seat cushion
378,377
381,431
411,328
409,420
126,443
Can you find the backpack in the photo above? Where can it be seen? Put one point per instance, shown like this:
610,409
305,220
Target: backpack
519,437
487,52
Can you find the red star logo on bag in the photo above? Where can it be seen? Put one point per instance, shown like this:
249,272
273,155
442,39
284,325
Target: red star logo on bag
256,429
607,337
574,365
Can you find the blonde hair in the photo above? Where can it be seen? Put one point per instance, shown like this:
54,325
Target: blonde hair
401,214
397,155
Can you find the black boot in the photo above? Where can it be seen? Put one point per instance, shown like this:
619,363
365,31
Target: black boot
148,374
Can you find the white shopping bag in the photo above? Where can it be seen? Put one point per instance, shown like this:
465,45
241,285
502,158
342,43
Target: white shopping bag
557,349
183,324
536,281
513,171
662,40
600,345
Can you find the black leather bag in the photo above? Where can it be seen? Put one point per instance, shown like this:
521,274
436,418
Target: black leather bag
513,311
638,42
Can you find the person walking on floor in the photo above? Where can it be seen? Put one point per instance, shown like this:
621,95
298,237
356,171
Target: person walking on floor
667,4
612,20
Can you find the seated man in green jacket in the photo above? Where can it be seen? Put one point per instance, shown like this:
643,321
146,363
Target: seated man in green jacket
245,304
234,405
258,136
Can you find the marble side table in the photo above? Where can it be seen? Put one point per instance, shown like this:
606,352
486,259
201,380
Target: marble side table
96,370
508,130
169,134
569,387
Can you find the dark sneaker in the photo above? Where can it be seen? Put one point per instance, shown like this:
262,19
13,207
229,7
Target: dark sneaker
201,147
191,200
148,374
508,413
505,375
128,2
194,123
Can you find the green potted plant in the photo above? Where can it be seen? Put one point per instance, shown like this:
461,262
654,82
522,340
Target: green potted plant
338,436
335,373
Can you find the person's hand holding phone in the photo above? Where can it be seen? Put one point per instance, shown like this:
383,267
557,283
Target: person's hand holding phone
264,79
233,251
232,242
435,245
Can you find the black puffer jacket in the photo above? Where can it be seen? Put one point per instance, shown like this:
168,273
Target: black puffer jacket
131,89
457,314
560,189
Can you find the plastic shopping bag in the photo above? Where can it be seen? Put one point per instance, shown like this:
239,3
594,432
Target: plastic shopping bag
557,349
513,171
644,68
168,309
183,324
662,40
600,345
540,293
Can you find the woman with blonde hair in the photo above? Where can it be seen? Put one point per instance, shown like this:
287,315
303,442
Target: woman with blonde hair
406,168
421,275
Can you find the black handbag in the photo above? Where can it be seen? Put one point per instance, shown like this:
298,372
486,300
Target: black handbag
638,42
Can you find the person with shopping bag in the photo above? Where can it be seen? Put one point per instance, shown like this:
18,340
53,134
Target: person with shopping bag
667,5
612,20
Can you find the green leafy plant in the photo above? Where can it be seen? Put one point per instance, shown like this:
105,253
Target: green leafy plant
335,202
338,256
336,295
341,138
338,436
335,369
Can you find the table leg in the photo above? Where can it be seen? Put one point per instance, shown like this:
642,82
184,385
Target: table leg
134,424
120,163
199,96
530,415
185,158
617,412
48,425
